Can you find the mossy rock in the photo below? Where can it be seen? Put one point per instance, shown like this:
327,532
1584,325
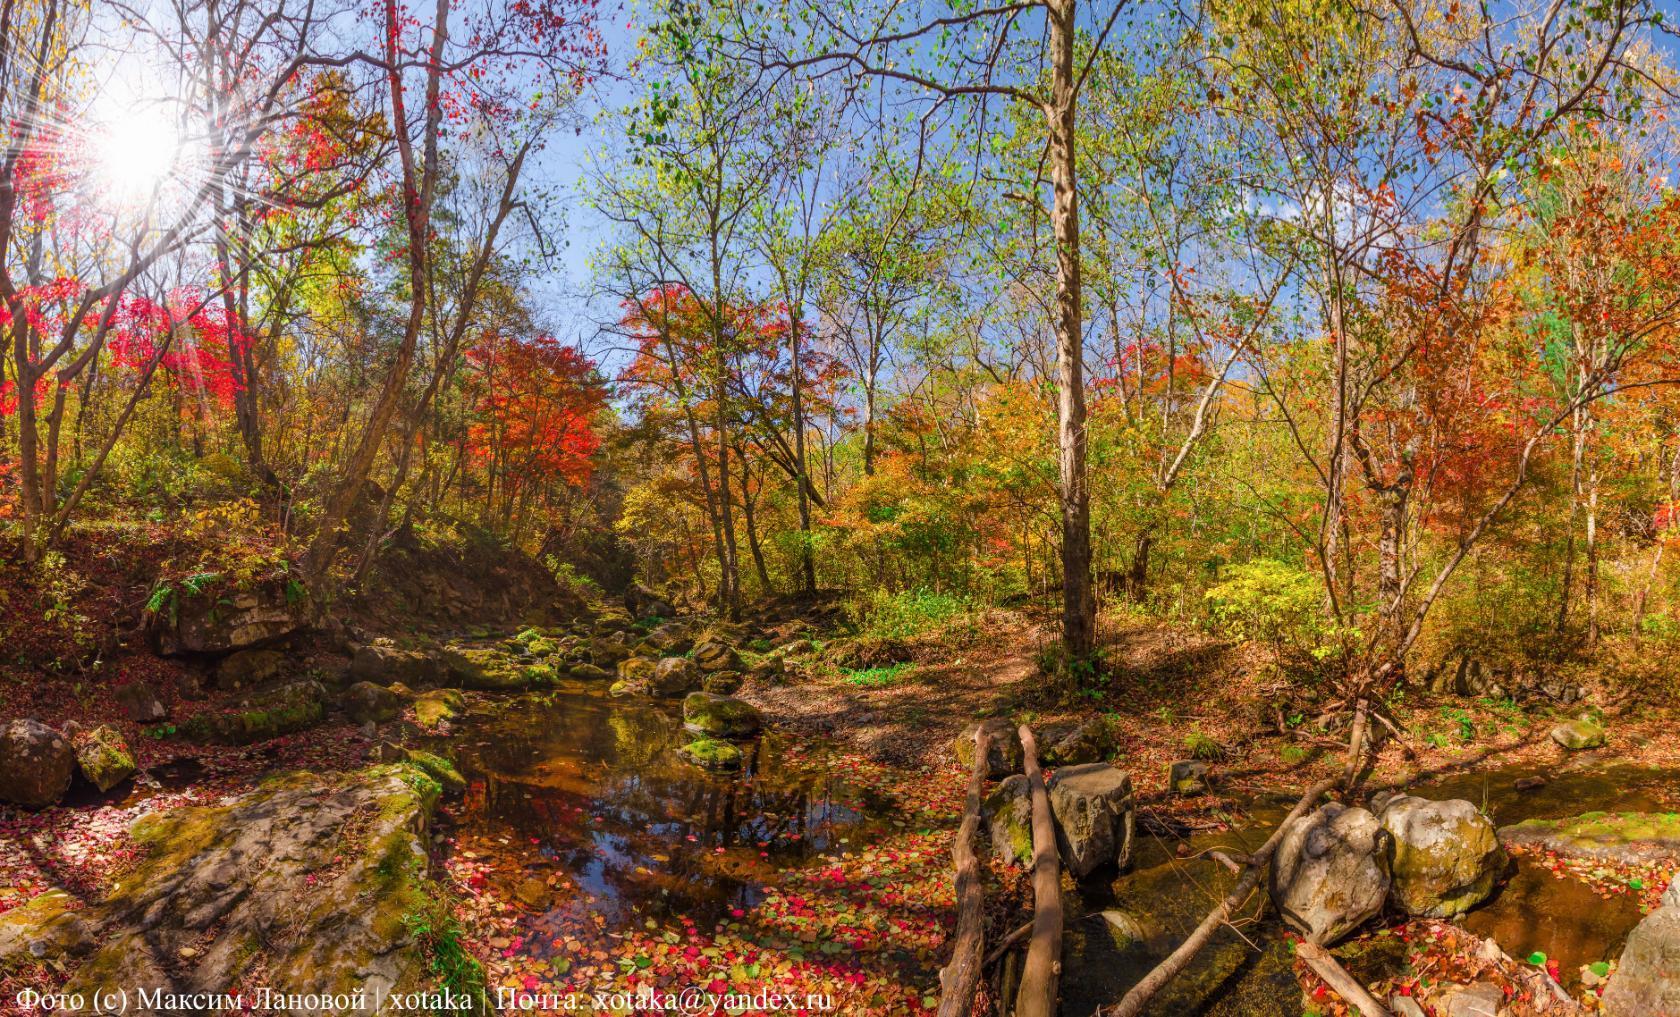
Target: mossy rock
1444,856
104,757
1606,836
437,706
636,669
288,710
589,672
308,882
724,683
1008,815
712,754
1003,748
720,716
1576,735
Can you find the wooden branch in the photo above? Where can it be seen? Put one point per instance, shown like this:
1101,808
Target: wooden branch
1179,959
959,979
1006,942
1042,971
1334,975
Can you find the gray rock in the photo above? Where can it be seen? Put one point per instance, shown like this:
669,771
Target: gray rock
1003,748
1671,896
1646,982
1092,807
1090,742
36,764
337,860
1478,999
1008,815
1444,857
1330,874
1187,777
141,703
383,663
220,620
724,683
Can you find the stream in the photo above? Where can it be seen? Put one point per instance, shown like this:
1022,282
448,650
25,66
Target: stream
583,803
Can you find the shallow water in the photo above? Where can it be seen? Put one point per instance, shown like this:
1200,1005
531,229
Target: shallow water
574,784
1246,970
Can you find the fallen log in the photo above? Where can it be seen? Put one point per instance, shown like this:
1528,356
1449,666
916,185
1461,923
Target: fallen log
960,979
1040,974
1328,969
1135,1000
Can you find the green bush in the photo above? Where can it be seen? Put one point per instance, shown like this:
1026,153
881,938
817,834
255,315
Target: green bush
908,613
1270,602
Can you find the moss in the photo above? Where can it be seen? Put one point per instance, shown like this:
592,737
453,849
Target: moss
720,716
439,769
712,754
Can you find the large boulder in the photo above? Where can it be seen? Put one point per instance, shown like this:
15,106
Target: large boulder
607,651
104,757
364,702
36,764
673,637
720,716
1647,978
308,884
1092,807
1444,857
715,655
1576,735
283,711
1330,873
1003,748
1008,815
673,677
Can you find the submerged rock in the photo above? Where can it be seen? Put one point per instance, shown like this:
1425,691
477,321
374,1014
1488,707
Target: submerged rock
720,716
1647,978
712,754
1330,873
1003,748
1092,807
36,764
1444,857
1576,735
310,884
104,757
1008,815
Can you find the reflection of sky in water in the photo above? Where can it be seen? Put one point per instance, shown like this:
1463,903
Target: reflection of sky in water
595,787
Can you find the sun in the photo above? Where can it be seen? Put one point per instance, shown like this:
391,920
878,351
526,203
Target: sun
135,154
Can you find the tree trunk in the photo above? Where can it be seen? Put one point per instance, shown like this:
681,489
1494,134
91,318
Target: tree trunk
1039,976
1078,599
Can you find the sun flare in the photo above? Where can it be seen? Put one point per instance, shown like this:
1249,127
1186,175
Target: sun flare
135,154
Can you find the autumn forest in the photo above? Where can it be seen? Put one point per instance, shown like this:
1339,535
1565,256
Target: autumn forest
909,506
